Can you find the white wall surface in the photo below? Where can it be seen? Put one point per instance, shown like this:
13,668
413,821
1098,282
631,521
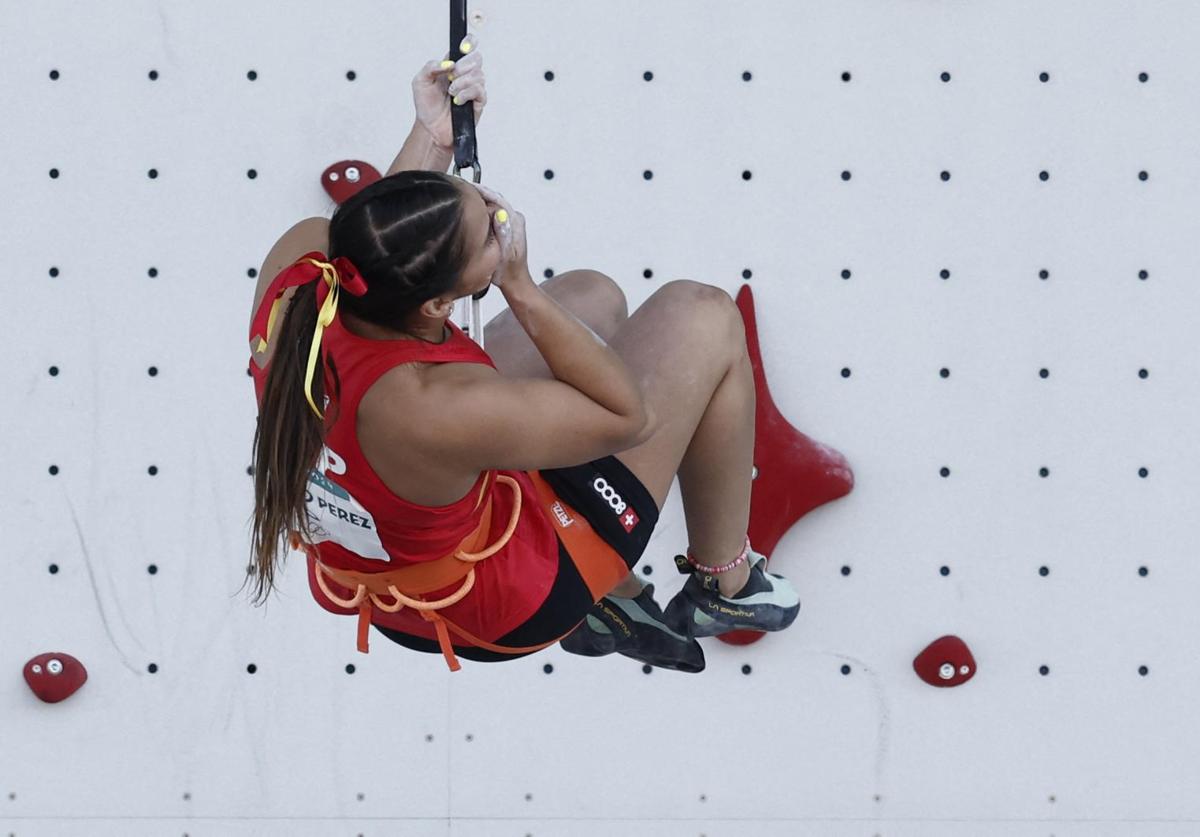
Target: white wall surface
826,730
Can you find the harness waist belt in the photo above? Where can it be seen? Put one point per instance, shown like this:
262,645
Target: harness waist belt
403,584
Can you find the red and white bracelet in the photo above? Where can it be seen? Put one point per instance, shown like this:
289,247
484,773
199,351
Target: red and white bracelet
725,567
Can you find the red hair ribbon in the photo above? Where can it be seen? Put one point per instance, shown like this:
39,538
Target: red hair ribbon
339,273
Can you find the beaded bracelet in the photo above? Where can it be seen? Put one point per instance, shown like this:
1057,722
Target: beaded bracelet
722,569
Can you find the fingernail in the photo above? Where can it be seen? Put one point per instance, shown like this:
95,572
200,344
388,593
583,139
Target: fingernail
458,100
447,64
501,216
465,46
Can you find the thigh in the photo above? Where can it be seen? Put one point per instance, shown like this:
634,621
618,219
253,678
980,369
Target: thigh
591,296
679,344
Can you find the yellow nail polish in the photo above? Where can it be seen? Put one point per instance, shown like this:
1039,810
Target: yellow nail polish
465,46
447,64
501,216
458,100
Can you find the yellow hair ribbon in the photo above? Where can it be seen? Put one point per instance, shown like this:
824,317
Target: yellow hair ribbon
324,317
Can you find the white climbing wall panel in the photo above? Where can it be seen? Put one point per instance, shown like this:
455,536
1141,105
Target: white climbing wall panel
907,193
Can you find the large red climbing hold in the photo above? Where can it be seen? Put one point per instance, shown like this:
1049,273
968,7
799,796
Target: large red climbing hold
55,676
794,473
947,661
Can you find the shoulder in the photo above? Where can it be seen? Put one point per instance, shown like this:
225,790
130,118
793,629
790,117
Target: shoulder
408,400
302,237
401,419
413,389
298,239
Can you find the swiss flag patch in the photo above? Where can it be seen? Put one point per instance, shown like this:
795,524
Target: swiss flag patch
629,519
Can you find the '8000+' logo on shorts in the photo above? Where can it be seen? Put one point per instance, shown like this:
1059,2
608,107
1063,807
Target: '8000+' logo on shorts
623,510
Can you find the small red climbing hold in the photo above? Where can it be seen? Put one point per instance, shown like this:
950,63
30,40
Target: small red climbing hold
343,180
55,676
945,662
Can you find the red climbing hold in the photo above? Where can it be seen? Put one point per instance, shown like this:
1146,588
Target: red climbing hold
343,180
794,473
946,662
55,676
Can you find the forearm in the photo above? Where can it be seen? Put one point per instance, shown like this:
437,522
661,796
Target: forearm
420,153
575,354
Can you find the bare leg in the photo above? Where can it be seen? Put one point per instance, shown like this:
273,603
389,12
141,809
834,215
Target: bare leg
628,588
715,475
687,347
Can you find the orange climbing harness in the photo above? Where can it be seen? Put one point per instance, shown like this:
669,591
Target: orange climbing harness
425,577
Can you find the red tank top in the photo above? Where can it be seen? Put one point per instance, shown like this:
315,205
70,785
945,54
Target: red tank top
361,526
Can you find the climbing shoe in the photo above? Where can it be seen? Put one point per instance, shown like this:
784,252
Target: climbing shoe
637,629
768,602
591,639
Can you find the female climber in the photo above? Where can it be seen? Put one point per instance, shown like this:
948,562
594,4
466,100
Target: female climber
487,504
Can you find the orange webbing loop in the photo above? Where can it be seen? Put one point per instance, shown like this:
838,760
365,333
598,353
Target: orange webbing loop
441,624
424,577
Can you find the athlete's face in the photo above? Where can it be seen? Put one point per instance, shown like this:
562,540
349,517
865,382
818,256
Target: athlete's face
483,246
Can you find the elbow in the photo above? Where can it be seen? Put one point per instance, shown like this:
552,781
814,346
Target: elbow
646,428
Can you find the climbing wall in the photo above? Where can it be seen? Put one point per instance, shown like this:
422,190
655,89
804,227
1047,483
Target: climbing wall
959,238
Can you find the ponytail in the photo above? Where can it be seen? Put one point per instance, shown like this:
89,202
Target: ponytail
405,233
287,443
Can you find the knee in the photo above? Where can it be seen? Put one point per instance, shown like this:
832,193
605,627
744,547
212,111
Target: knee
599,295
708,307
686,290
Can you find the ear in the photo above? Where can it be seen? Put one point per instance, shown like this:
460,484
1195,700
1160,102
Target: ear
437,308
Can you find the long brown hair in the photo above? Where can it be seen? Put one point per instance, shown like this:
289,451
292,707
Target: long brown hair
404,234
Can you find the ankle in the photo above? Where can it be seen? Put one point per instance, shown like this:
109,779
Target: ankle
628,588
729,581
732,582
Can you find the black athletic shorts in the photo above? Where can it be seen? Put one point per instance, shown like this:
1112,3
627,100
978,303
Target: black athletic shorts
591,490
